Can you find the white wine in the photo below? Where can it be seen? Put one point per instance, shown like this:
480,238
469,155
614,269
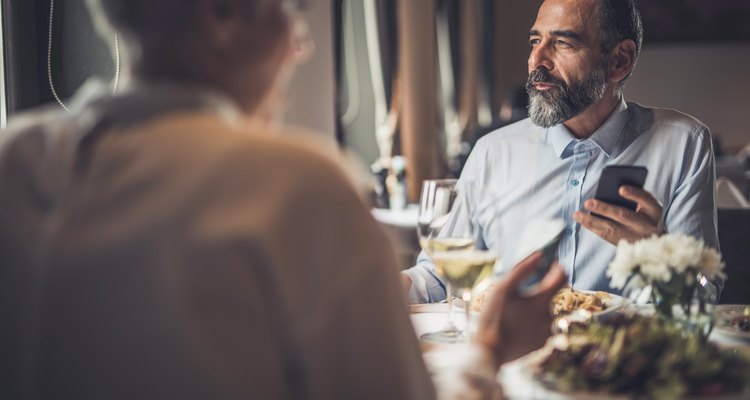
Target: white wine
446,244
464,269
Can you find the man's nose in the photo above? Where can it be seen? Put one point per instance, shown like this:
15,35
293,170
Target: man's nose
539,57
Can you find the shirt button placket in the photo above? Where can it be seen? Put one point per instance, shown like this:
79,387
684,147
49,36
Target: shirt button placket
573,200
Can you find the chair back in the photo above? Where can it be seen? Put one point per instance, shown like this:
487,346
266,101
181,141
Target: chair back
734,169
728,195
734,240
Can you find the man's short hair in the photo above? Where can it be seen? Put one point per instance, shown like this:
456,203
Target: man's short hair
620,20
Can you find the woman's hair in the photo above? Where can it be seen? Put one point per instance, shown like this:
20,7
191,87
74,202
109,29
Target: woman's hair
141,23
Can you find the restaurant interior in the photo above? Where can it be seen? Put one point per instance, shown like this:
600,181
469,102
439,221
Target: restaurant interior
404,89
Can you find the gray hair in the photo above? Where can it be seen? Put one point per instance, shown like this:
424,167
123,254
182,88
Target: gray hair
147,24
620,20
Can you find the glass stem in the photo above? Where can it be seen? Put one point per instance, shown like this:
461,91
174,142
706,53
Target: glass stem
450,325
467,301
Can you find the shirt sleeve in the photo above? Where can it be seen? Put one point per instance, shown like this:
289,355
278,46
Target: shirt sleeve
692,210
426,285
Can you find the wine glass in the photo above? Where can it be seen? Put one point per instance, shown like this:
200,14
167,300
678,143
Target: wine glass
435,205
463,270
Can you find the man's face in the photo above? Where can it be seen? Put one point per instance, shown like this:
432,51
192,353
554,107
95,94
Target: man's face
567,70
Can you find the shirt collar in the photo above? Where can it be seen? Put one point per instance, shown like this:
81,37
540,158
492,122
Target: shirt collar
562,140
141,100
605,138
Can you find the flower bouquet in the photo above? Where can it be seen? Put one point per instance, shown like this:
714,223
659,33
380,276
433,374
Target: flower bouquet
674,272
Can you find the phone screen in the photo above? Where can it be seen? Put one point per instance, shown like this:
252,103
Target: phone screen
615,176
539,235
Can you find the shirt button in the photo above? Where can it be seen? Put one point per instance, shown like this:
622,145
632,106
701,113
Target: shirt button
574,182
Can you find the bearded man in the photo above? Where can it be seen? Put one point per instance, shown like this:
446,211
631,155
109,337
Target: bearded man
582,52
165,243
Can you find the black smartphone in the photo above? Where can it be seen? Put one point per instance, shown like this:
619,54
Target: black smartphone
544,236
613,177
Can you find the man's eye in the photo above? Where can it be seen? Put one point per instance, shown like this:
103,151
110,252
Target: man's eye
534,42
561,43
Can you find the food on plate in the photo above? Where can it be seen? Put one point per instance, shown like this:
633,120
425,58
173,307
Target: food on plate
742,322
568,300
642,357
484,292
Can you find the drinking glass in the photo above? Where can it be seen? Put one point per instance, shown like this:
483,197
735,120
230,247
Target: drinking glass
463,270
435,205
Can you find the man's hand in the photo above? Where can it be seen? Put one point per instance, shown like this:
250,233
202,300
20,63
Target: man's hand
625,224
513,324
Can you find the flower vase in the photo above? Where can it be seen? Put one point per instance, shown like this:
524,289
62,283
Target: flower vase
686,300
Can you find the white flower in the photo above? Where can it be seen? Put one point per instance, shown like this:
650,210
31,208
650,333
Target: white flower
711,264
657,271
659,258
623,265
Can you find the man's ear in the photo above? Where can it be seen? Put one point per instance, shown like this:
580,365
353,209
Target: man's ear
222,20
621,60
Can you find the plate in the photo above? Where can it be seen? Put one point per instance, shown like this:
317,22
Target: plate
526,372
724,314
613,304
555,389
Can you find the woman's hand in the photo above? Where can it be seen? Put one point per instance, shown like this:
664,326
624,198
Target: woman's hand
513,324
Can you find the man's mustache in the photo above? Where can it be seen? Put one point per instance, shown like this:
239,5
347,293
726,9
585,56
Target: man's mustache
543,76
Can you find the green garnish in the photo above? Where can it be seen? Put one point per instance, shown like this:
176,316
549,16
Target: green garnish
643,357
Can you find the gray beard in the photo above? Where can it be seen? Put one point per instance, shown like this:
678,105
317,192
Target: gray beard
549,107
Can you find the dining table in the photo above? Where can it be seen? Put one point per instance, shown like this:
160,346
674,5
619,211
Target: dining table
516,378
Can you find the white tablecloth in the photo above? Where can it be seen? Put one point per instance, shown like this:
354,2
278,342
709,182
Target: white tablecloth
401,228
403,218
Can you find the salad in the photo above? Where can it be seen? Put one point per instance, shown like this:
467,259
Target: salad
742,322
641,357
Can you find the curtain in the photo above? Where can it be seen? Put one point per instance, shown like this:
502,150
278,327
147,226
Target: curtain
427,85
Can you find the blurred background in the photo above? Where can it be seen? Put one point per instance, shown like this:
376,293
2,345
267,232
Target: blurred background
423,79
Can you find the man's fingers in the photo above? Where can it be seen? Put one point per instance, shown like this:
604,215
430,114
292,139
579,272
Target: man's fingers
618,214
607,230
647,204
627,224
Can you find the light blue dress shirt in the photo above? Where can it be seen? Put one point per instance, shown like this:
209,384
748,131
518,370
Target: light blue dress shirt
522,172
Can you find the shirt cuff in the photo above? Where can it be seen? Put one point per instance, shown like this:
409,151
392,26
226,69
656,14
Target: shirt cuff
418,289
425,287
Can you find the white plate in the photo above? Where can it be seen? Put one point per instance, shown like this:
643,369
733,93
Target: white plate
724,314
613,303
528,367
